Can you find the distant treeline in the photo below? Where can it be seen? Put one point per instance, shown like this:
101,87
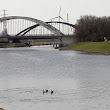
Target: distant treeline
92,28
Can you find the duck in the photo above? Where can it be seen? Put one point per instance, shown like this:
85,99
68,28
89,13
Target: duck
51,92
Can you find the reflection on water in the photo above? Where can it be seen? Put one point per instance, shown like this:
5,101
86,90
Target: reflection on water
80,81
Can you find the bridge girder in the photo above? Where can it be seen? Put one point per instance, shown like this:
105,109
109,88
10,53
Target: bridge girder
69,24
44,24
34,26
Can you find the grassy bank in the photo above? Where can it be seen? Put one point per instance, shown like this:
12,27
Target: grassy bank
97,47
8,45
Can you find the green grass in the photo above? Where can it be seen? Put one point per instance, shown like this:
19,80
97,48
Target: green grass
97,47
8,45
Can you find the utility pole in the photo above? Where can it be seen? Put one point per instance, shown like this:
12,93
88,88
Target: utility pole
68,22
4,22
59,17
67,18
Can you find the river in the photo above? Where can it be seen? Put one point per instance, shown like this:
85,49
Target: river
80,81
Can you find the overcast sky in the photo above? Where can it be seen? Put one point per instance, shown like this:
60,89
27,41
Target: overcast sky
47,9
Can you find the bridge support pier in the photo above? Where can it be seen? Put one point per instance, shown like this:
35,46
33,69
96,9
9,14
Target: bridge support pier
67,40
64,41
55,45
60,43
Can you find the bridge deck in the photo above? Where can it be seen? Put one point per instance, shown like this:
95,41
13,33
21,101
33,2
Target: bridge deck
30,37
35,37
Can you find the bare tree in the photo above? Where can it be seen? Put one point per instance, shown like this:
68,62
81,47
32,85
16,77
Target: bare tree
92,28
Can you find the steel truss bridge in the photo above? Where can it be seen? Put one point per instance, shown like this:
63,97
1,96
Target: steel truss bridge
18,27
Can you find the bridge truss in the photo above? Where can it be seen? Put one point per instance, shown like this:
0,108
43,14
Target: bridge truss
26,26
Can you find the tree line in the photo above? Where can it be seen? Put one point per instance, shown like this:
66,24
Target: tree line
92,28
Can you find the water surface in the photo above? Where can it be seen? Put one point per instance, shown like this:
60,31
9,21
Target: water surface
80,81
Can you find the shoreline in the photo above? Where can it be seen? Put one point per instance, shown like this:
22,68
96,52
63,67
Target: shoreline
86,52
11,45
102,48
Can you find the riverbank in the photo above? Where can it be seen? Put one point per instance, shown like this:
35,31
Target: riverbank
93,47
8,45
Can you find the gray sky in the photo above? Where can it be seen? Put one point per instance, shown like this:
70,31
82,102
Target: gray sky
47,9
